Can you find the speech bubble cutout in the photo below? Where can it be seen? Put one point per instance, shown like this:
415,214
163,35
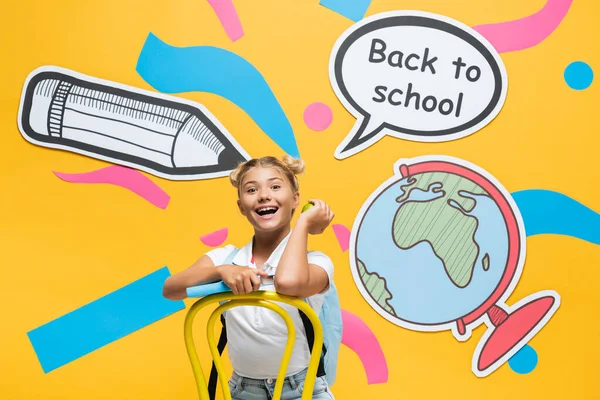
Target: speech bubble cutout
416,76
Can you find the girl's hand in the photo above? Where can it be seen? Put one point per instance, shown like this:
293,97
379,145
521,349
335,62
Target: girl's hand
317,218
241,280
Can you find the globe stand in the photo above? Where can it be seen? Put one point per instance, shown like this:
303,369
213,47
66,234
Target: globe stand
512,329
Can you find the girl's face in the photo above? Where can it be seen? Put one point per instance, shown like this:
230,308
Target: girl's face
267,199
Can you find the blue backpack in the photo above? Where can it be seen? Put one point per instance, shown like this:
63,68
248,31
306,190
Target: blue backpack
331,320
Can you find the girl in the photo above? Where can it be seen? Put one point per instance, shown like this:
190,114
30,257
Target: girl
267,196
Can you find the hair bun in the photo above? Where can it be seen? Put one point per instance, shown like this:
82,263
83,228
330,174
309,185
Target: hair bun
234,176
295,165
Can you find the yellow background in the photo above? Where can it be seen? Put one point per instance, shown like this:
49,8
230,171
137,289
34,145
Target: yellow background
64,245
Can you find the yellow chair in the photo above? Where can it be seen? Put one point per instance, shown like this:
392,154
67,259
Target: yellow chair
261,299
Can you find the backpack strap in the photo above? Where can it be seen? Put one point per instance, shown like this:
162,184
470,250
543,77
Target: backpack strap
310,337
212,382
231,256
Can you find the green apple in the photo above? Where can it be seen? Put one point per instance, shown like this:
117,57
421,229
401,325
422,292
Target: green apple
307,206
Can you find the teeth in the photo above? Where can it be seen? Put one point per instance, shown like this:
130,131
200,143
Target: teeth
267,209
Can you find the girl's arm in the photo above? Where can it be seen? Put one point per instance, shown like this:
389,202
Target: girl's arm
241,280
295,276
202,271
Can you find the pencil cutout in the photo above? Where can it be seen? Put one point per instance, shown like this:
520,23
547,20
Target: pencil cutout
166,136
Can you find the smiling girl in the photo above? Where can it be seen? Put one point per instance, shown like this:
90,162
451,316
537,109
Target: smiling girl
268,196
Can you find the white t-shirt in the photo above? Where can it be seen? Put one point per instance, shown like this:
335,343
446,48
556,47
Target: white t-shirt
257,336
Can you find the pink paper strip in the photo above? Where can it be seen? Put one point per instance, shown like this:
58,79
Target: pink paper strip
229,18
127,178
214,239
361,339
343,235
526,32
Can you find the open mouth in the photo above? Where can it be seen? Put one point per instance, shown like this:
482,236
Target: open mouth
266,212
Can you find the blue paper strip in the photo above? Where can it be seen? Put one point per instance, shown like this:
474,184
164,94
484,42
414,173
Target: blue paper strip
548,212
170,69
103,321
351,9
207,289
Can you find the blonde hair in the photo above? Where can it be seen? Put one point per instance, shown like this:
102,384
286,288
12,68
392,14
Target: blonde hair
288,166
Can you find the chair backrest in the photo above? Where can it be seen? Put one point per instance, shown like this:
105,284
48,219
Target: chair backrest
265,299
331,320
